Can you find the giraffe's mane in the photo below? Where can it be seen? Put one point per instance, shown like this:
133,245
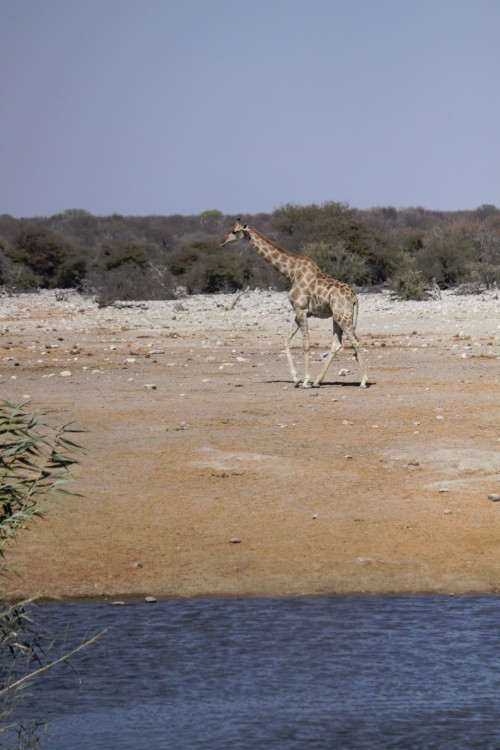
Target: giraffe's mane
274,244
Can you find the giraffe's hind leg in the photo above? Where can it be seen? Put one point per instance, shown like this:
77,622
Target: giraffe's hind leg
335,347
360,356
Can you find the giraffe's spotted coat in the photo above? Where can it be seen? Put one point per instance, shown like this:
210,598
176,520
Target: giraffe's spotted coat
312,293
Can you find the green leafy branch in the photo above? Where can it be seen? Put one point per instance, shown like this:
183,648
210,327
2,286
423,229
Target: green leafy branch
35,459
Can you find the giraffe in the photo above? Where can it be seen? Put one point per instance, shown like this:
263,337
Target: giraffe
312,293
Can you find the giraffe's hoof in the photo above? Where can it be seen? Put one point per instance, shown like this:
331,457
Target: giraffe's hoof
305,384
296,383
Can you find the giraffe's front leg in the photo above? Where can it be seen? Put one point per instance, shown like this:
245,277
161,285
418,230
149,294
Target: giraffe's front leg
289,336
302,320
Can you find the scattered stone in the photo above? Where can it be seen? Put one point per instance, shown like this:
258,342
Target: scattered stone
344,372
65,374
235,540
316,516
150,386
414,462
136,565
494,497
184,426
150,600
117,604
348,457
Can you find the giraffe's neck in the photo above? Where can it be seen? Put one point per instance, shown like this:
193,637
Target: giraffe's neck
280,259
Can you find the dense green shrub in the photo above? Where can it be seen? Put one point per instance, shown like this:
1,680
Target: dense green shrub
135,257
180,262
43,253
330,222
121,256
218,275
446,256
336,261
406,283
72,273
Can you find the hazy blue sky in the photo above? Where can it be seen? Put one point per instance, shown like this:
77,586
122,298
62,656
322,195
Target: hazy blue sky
179,106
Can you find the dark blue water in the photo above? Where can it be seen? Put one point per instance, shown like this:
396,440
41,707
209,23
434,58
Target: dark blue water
277,674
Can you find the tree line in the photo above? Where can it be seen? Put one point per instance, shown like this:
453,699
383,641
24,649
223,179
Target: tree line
160,257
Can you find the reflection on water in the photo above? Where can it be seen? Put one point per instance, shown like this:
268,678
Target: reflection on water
284,674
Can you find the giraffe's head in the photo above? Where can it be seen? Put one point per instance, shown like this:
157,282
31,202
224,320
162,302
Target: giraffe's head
238,231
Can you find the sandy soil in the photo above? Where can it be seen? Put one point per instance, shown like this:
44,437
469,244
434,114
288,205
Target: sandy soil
207,473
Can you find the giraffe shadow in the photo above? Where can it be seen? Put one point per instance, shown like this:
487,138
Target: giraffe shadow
324,384
343,384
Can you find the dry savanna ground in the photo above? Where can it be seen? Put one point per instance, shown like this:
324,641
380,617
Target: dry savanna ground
207,473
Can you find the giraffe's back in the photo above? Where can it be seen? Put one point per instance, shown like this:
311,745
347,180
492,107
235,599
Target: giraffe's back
321,295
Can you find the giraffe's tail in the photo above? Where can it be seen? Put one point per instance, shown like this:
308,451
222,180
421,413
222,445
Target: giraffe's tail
355,308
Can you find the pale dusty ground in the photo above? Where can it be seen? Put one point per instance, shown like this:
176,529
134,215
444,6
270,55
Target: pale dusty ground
329,490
